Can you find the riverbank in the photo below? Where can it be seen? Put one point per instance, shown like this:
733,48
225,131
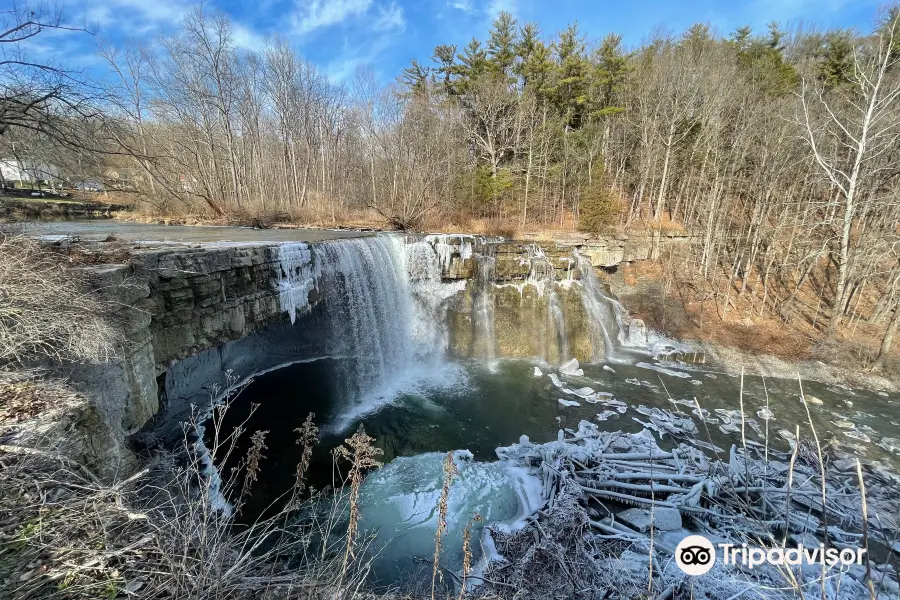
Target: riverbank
672,300
43,208
372,221
732,360
142,531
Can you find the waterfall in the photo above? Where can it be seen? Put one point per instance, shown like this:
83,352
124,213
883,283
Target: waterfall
368,308
558,324
542,275
484,306
430,294
384,306
604,313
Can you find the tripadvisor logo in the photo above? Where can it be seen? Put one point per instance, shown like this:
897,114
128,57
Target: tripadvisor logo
696,555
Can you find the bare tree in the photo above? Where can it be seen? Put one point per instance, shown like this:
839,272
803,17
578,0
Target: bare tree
848,129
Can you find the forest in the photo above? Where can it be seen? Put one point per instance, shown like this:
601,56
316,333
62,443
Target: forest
777,150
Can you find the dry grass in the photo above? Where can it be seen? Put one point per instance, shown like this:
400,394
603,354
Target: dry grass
509,228
360,451
112,250
450,471
670,296
47,310
164,532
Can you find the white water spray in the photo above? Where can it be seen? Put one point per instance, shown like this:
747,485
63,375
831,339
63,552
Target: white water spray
604,314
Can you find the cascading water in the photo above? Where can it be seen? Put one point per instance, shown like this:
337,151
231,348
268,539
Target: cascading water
543,276
368,308
484,306
383,300
430,295
604,313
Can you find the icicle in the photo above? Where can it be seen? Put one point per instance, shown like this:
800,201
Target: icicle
295,277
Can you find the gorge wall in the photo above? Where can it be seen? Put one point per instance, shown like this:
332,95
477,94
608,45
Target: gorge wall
196,315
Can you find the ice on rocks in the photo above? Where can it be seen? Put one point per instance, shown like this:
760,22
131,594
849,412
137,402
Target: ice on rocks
665,421
728,428
765,414
705,416
663,519
788,435
565,402
730,416
295,277
892,445
538,372
857,435
571,368
583,392
663,370
608,368
556,381
398,504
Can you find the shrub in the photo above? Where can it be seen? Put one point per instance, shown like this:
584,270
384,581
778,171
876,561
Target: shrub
598,207
46,308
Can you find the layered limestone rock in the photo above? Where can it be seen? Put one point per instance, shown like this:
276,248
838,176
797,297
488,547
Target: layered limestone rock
177,301
205,301
458,252
544,320
205,296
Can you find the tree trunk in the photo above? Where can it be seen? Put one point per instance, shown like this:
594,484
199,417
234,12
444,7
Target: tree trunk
657,212
887,340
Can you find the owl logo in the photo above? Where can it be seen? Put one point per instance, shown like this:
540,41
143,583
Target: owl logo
695,555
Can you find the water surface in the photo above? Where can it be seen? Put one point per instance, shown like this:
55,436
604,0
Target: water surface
481,408
100,229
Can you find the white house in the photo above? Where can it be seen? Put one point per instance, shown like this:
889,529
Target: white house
28,171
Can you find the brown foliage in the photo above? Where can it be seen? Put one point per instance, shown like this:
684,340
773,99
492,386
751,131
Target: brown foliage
47,309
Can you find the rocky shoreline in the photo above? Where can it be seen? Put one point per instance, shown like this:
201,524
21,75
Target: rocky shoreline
732,360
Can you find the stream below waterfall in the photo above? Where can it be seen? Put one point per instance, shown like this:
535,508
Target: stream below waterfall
471,407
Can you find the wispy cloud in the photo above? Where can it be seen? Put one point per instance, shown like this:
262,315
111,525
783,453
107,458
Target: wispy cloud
390,18
127,18
246,38
314,14
354,55
489,8
156,11
463,5
498,6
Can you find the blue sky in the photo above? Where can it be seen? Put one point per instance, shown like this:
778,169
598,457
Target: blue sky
339,35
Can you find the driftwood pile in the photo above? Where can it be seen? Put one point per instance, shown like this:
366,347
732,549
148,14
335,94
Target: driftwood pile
616,506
